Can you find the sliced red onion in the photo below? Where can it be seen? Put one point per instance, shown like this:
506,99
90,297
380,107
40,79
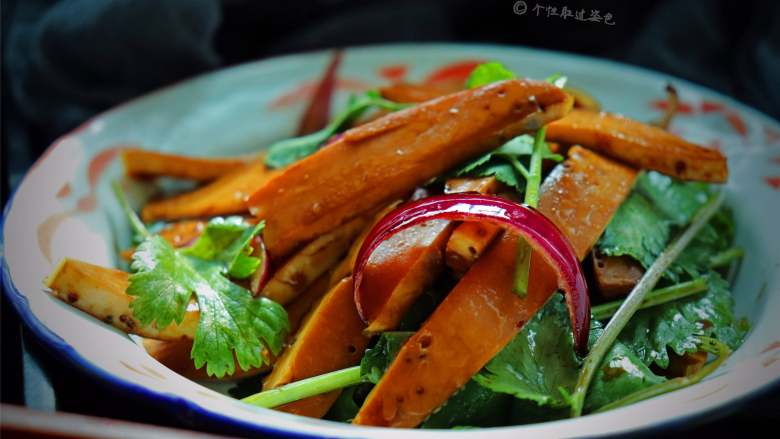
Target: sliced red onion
262,275
540,233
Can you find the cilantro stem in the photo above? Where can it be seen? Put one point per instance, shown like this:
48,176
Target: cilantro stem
533,181
135,222
654,298
706,344
305,388
635,299
726,257
535,170
516,164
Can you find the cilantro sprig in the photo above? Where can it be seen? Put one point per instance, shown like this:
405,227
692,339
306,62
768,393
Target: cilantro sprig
233,326
285,152
532,175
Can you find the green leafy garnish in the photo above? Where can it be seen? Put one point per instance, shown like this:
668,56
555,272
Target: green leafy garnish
657,208
621,374
377,359
472,405
677,325
706,344
509,162
637,229
231,322
226,241
622,317
676,200
345,408
487,73
288,151
539,362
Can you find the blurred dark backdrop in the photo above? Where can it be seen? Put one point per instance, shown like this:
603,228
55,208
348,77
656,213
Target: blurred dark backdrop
64,61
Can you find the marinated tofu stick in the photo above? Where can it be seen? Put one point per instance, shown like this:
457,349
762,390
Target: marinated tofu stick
100,292
141,163
177,356
344,267
330,338
178,234
314,259
407,263
385,159
409,92
482,313
615,276
640,145
470,239
224,196
404,266
333,336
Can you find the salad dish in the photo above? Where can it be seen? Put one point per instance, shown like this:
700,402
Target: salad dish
486,250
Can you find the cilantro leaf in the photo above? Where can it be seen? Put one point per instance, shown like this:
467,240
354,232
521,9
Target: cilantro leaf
160,297
507,163
346,407
377,359
678,201
696,260
472,405
285,152
487,73
226,241
677,325
232,325
658,206
637,229
539,365
621,374
538,361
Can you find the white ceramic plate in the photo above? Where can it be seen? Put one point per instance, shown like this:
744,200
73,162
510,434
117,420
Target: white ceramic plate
64,207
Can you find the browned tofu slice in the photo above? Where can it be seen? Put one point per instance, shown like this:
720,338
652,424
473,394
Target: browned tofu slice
330,338
615,276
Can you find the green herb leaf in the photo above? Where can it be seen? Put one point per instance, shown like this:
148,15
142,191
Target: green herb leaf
621,374
345,408
508,163
677,201
637,229
487,73
377,359
539,361
659,205
226,241
231,321
678,325
540,365
473,406
714,238
288,151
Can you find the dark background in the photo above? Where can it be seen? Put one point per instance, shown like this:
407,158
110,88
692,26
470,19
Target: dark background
64,61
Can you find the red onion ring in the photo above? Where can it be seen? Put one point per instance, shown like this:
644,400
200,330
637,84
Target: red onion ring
541,234
262,275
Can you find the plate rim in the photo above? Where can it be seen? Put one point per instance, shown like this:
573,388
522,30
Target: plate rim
55,344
